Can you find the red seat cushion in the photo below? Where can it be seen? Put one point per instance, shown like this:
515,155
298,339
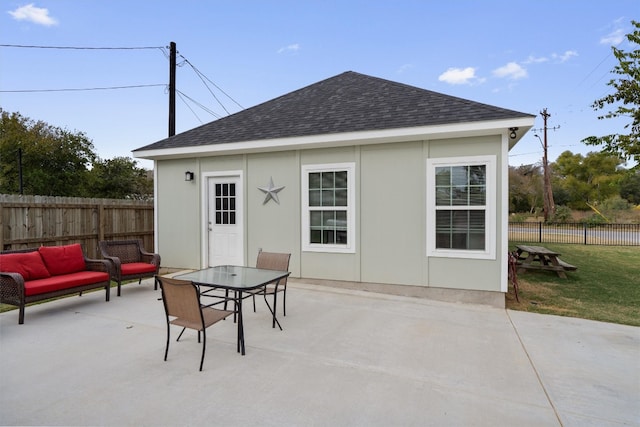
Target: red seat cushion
56,283
28,264
63,259
137,268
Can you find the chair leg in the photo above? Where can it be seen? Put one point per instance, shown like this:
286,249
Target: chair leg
284,302
254,302
166,350
119,287
204,345
183,329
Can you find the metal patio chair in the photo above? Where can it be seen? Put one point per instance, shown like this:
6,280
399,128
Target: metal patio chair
181,301
273,261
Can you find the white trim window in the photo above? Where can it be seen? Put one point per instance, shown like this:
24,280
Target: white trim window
328,208
461,207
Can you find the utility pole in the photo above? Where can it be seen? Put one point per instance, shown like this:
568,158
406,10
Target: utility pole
172,89
549,205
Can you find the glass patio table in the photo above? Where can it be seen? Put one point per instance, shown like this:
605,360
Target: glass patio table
237,279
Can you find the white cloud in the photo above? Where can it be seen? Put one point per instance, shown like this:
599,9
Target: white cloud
37,15
535,60
564,57
614,38
292,48
460,76
404,67
512,71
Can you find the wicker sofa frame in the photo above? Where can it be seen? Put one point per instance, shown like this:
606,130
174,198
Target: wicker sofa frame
12,289
119,252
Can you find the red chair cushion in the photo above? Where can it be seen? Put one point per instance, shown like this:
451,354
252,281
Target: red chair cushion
137,268
63,259
28,264
56,283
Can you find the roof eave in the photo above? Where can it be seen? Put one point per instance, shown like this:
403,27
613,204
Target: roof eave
456,130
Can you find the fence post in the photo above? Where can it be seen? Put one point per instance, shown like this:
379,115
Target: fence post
539,231
100,222
584,224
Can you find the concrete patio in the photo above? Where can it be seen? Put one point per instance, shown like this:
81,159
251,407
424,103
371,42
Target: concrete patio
344,358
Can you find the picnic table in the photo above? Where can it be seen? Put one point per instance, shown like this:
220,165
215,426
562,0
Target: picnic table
541,258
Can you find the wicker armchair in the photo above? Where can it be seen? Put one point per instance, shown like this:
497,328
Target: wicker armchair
129,260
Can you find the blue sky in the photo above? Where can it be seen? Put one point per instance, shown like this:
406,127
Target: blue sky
524,55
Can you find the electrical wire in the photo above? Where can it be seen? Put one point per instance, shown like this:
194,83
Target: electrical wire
79,47
213,113
82,89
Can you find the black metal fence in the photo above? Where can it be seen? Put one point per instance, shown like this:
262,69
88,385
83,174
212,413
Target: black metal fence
576,233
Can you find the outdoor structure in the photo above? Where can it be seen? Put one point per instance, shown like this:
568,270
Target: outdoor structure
365,181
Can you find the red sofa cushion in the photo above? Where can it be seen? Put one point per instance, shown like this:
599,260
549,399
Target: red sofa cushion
56,283
63,259
28,264
136,268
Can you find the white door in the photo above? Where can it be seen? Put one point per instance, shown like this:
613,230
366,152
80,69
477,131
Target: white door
225,237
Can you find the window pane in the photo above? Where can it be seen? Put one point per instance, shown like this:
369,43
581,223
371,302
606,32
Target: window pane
314,180
232,189
315,218
443,176
341,197
477,196
341,179
459,175
459,195
232,217
477,175
315,236
314,197
328,198
218,189
443,196
328,179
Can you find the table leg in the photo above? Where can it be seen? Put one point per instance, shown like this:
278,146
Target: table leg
273,311
554,261
240,346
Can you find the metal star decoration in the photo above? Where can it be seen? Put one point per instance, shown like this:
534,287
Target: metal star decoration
271,192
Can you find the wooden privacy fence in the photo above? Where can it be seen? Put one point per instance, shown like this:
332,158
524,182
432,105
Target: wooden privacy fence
32,221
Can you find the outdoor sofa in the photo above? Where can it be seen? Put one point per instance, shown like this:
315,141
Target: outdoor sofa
36,274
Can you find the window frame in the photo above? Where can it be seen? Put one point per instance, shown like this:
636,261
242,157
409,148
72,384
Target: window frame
350,209
490,219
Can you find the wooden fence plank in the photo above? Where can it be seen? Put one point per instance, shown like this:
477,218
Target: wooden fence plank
29,221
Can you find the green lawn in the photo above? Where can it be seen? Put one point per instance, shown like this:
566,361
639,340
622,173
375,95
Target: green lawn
605,287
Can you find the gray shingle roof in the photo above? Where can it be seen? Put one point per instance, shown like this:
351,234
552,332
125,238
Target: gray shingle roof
348,102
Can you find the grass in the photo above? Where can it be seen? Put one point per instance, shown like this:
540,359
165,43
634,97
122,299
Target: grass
606,286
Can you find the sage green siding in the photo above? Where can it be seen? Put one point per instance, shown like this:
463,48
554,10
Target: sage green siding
390,213
392,203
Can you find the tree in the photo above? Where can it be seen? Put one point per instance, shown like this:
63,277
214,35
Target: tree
627,100
630,186
120,178
55,162
525,188
589,179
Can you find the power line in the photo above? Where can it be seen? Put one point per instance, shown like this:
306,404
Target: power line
79,47
213,113
82,89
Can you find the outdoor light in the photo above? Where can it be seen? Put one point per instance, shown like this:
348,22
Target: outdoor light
513,133
189,176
